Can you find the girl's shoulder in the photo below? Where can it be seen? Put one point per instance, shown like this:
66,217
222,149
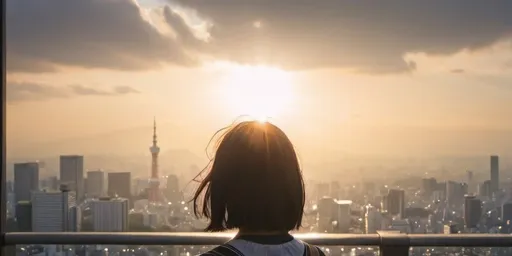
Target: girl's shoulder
230,250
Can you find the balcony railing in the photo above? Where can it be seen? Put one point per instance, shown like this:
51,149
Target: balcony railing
389,244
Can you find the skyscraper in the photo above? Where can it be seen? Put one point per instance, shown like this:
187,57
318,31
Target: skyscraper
72,174
506,213
26,180
495,173
472,211
396,202
154,184
120,184
95,185
455,192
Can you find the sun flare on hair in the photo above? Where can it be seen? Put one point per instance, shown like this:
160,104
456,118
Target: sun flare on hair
259,92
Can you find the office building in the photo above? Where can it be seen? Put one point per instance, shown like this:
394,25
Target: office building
24,216
472,211
26,180
334,215
110,214
95,185
395,202
506,213
373,220
51,210
455,192
495,173
74,219
484,189
72,174
119,184
342,216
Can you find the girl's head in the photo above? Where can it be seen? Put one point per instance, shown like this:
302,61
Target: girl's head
255,183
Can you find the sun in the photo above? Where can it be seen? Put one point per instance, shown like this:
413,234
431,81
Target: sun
258,91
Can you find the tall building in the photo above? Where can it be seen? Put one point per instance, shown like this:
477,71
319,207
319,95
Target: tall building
342,216
110,215
26,180
95,185
506,213
24,216
72,174
51,210
470,181
120,184
484,189
373,220
326,210
154,186
495,173
395,202
334,215
455,192
472,211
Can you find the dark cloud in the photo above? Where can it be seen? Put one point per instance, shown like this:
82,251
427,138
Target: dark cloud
457,71
26,91
369,36
86,33
124,90
366,36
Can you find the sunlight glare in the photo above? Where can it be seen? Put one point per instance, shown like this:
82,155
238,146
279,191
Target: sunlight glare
258,91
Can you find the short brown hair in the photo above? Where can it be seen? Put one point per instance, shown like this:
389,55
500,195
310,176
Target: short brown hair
255,182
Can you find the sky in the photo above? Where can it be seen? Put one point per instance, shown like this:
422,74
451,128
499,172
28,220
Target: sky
364,77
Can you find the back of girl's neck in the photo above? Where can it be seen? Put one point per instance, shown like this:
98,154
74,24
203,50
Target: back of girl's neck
260,233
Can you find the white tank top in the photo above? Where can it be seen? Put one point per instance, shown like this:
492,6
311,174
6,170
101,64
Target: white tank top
292,248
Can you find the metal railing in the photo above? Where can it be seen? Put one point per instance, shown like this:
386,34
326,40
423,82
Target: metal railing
388,243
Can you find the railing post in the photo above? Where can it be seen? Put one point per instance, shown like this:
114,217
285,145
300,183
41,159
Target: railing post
393,244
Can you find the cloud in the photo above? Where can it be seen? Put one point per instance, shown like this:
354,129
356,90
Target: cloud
457,71
368,36
27,91
86,33
371,37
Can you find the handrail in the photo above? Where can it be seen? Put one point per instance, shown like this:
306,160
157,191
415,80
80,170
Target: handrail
178,238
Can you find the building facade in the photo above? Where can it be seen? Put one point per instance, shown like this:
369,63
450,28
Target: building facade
110,215
72,174
51,211
26,180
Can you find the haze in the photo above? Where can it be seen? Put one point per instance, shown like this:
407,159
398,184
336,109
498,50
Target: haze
400,78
